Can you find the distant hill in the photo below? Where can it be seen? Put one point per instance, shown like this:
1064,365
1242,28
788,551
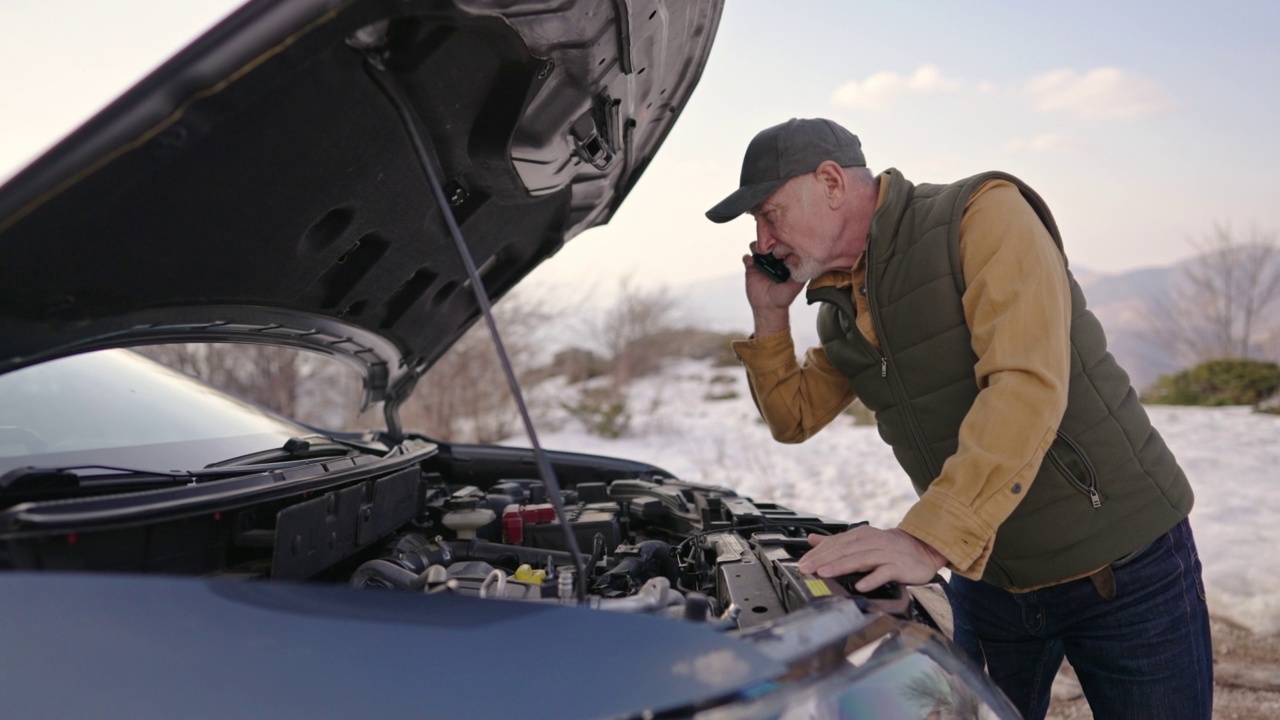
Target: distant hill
721,304
1119,300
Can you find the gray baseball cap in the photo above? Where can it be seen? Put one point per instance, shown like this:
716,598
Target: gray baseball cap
779,153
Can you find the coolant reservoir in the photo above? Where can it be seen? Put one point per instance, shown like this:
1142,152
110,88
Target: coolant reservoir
467,517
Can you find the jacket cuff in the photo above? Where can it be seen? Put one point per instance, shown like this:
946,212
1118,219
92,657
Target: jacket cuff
770,352
951,528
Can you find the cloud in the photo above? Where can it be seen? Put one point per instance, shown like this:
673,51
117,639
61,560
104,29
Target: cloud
1046,143
1100,94
880,90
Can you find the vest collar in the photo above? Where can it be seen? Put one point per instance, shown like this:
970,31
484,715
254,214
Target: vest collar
895,194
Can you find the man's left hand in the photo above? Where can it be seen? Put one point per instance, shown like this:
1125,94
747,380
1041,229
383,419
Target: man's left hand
885,555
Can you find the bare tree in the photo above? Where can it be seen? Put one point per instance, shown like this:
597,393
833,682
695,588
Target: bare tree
628,327
300,384
1216,306
464,397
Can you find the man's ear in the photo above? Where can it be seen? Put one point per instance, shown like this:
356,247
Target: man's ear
834,184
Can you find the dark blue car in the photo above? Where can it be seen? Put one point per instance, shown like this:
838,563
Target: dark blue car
357,178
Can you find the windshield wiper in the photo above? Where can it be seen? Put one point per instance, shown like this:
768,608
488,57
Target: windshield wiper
71,479
309,447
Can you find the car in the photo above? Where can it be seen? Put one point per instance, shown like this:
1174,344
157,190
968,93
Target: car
358,178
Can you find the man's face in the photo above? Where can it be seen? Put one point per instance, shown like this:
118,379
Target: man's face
790,225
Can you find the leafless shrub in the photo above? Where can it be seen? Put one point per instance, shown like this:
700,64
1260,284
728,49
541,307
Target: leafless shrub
575,364
465,397
626,330
306,386
1216,307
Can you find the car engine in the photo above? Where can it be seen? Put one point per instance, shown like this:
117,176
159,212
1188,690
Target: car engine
656,545
468,520
650,543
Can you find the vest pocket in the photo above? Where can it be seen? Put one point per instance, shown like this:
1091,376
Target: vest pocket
1070,460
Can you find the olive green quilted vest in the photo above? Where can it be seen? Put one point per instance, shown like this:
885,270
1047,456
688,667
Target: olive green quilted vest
1108,485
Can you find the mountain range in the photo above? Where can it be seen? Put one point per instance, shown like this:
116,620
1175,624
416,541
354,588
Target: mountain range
1119,300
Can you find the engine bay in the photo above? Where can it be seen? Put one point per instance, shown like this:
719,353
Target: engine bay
463,520
654,545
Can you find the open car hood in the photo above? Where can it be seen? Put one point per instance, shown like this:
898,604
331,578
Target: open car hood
262,187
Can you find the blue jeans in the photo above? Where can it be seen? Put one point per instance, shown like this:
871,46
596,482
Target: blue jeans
1146,653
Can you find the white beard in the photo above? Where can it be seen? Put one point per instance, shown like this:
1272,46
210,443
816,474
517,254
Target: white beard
806,268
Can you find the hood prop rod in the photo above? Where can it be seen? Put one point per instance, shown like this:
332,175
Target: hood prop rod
392,91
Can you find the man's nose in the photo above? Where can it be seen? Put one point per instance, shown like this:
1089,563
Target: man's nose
765,241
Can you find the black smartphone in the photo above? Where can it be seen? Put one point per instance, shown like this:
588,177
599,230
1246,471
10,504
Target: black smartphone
772,266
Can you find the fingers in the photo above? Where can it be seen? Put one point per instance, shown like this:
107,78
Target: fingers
875,579
884,554
834,554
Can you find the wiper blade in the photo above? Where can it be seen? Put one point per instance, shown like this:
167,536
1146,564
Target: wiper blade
310,447
56,480
69,480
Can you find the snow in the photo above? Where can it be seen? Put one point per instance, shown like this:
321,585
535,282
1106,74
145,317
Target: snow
1230,455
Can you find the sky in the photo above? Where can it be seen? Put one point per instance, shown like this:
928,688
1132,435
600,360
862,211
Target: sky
1141,123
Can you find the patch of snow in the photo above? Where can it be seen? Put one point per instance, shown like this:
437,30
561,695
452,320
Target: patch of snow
1231,456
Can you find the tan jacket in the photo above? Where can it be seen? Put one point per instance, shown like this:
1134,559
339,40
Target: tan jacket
1017,306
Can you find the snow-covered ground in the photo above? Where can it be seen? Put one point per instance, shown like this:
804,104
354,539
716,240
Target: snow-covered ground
1231,455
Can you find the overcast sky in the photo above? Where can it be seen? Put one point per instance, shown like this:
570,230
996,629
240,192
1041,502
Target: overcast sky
1141,123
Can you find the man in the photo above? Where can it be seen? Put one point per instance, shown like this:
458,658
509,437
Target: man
949,311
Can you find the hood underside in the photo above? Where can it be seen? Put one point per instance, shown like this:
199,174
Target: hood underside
263,187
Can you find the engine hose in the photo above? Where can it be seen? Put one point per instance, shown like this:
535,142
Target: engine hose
597,554
446,552
635,566
388,572
656,595
495,584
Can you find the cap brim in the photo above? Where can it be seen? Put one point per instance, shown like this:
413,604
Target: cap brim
742,200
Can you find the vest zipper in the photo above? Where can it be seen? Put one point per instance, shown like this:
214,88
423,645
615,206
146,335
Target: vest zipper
895,382
1090,488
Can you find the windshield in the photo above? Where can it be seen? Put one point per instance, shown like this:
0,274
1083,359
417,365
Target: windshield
118,408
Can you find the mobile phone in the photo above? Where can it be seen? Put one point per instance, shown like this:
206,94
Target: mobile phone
772,266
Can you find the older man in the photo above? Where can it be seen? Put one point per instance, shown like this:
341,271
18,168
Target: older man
949,311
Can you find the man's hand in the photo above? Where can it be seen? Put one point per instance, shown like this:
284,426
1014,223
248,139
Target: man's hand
769,300
886,555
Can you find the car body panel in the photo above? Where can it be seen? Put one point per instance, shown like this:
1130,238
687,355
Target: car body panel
294,178
132,646
261,187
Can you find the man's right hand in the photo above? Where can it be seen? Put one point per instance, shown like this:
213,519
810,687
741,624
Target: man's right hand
770,301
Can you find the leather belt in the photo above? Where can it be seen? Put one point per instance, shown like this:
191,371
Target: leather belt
1104,579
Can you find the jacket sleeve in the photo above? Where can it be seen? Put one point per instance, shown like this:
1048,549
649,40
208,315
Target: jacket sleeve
1017,304
796,400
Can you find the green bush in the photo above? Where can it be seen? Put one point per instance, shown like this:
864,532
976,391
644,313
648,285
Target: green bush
1218,382
602,411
